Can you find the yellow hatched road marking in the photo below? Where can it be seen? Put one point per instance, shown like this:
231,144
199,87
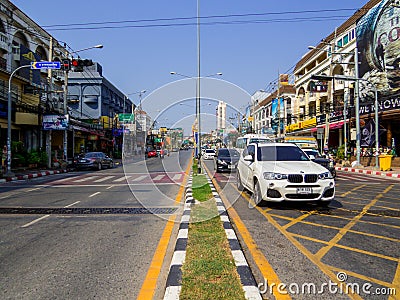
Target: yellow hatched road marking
298,219
346,247
302,249
396,279
321,253
150,282
363,277
353,190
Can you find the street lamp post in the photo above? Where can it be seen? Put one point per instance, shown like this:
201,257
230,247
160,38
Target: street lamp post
8,172
198,148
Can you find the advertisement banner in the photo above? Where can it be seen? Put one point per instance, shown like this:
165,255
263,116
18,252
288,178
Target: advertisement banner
26,58
275,107
378,42
55,122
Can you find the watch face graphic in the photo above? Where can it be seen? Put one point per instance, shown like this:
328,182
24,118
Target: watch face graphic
386,43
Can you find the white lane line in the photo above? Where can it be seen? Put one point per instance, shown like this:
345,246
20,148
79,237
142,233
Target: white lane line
104,179
85,179
140,178
34,221
159,177
69,205
109,187
122,178
177,177
94,194
35,189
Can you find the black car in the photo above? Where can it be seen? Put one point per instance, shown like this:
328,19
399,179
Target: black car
323,161
226,159
94,160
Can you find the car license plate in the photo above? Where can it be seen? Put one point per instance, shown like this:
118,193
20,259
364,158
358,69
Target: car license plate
231,166
304,190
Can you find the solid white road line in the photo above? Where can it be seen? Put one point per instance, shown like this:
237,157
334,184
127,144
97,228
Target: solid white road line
85,179
104,178
69,205
140,178
94,194
158,177
34,221
122,178
177,177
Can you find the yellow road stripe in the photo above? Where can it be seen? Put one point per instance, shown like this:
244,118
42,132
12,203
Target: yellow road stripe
363,277
346,247
150,282
262,263
298,219
396,279
302,249
352,190
321,253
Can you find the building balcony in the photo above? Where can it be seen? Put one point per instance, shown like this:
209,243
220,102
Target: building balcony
3,42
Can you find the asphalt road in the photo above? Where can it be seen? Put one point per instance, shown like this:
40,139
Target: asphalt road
354,243
85,235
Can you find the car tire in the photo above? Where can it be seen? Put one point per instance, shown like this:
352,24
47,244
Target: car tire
111,165
239,184
99,167
257,197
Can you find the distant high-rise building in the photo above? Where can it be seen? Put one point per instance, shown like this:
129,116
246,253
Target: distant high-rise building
221,116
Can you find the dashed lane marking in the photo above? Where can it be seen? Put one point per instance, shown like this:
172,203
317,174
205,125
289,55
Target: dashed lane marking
158,177
139,178
122,178
104,179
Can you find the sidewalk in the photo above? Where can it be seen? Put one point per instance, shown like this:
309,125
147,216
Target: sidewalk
394,172
24,174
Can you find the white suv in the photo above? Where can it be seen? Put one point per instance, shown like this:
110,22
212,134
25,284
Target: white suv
282,171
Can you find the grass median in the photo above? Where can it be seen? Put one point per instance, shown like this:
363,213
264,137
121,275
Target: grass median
209,271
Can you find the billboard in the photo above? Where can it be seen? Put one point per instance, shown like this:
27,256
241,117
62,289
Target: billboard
275,107
378,42
55,122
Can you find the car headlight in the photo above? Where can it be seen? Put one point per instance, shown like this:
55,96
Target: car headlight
326,175
274,176
221,162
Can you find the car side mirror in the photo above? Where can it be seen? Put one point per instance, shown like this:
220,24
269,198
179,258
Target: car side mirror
248,158
312,157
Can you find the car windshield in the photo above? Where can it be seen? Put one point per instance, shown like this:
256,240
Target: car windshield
228,153
259,140
210,151
312,152
91,154
280,153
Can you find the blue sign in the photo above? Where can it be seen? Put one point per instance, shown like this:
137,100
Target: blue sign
45,65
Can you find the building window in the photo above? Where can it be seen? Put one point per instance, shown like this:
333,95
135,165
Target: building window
339,43
345,39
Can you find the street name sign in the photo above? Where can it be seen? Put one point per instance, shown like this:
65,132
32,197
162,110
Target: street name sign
125,117
45,65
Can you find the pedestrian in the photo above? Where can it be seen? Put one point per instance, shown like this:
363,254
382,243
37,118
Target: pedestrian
4,158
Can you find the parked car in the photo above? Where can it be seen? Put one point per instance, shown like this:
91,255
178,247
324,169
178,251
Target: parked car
152,153
94,160
226,159
283,172
316,157
209,154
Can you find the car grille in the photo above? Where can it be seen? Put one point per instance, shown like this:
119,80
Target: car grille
295,178
302,196
298,178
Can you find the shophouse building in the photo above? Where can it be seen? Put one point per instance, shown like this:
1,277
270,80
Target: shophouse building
329,105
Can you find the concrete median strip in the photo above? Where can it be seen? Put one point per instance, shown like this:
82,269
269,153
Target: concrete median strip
173,286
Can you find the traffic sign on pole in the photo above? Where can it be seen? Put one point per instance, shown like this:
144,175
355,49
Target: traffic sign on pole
45,65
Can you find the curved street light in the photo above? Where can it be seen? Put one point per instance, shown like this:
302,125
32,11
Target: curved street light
198,148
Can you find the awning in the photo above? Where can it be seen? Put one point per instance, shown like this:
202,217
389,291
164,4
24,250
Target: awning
334,125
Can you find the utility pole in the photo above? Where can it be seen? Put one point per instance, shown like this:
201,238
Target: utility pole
50,86
66,113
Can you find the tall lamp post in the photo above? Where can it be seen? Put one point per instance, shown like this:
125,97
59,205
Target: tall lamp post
8,172
198,148
65,100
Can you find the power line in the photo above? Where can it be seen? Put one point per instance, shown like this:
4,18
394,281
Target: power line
203,17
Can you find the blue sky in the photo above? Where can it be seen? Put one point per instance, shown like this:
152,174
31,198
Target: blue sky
249,54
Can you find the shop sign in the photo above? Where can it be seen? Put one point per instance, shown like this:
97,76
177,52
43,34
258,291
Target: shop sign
309,123
55,122
93,137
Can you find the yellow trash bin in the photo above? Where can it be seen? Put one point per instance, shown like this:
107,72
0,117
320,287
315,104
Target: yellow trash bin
385,162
